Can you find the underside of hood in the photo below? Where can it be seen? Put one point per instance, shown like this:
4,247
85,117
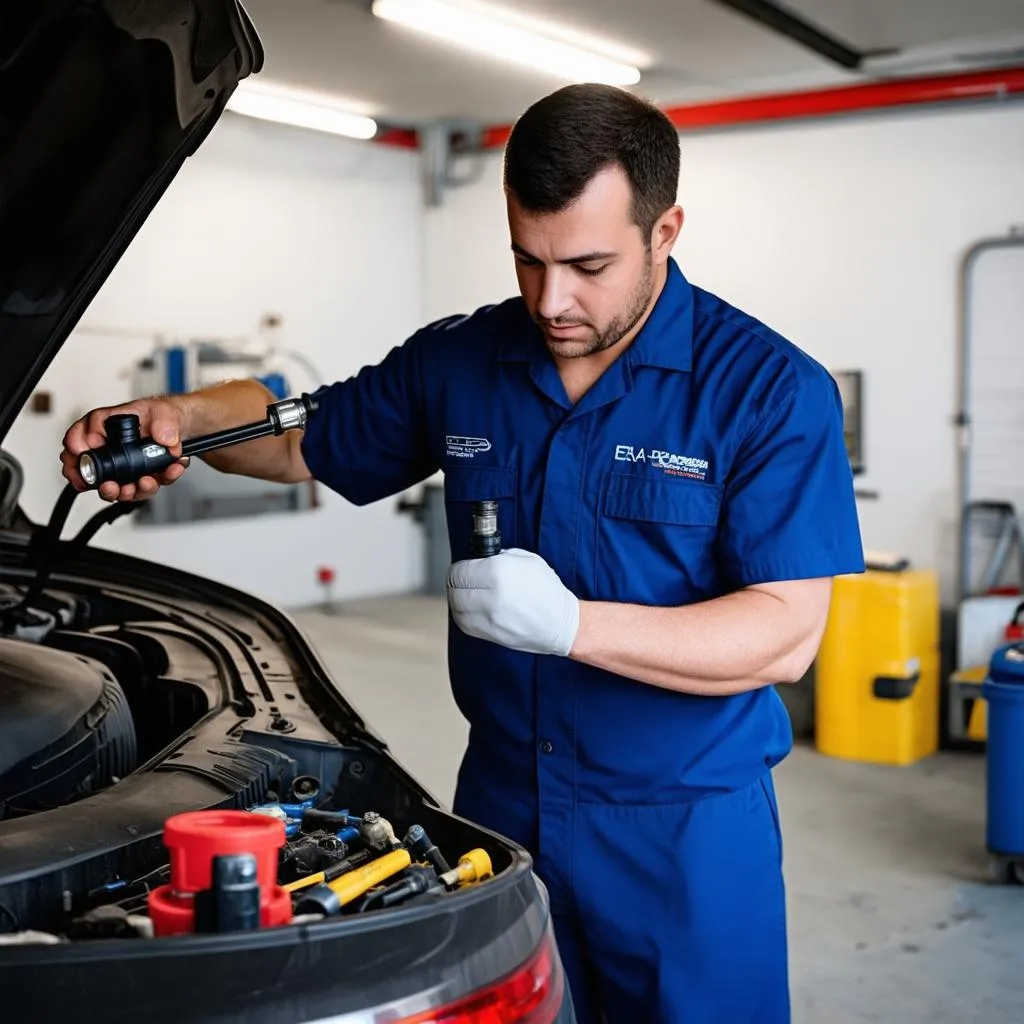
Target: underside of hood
101,101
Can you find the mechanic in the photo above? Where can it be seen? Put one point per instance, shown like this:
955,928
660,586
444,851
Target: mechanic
674,496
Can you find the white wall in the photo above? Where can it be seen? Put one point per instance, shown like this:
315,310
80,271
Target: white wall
326,232
845,236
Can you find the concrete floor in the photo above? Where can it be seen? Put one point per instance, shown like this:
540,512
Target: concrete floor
891,915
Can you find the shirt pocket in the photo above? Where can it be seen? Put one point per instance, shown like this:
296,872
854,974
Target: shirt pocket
464,485
656,539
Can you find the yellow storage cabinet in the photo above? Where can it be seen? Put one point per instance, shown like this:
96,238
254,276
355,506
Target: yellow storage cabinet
877,678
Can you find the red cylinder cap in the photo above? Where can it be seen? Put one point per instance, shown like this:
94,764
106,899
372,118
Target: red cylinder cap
325,574
174,916
196,837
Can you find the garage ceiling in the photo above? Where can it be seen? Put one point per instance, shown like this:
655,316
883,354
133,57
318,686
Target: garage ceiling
700,49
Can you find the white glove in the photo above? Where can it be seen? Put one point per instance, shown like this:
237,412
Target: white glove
514,599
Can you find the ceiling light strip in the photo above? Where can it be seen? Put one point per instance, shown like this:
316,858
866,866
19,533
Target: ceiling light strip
310,111
467,26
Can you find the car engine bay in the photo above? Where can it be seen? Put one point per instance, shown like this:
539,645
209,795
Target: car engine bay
134,699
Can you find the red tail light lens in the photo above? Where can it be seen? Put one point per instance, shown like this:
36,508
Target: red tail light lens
531,995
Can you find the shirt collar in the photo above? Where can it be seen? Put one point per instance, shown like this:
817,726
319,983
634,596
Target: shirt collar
665,340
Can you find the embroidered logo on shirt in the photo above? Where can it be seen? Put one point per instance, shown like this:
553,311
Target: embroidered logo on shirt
466,447
668,462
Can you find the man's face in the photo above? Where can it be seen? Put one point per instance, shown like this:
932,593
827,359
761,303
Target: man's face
586,273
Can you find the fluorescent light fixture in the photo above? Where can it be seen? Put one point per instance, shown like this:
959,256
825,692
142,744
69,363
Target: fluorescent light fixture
538,45
317,111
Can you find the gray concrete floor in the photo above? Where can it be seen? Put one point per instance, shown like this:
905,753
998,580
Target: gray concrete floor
891,915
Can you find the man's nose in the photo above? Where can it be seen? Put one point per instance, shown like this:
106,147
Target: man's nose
555,299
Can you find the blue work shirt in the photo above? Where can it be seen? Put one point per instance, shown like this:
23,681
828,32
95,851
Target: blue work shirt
708,457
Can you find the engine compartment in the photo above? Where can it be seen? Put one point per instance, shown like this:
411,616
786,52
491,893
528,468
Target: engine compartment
123,704
65,728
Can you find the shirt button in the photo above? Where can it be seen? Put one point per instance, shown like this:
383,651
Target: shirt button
546,747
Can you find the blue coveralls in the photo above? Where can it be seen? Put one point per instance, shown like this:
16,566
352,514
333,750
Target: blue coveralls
708,457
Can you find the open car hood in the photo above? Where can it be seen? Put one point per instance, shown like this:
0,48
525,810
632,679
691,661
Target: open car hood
101,102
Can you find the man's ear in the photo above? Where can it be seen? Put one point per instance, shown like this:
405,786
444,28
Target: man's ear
666,231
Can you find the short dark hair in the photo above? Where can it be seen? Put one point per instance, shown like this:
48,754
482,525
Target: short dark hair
563,140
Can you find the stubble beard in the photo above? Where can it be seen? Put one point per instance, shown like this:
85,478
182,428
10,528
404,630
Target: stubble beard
593,340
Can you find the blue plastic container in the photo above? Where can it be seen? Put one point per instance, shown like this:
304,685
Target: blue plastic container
276,384
177,370
1004,692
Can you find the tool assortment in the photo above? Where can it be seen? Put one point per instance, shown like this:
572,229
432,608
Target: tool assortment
271,865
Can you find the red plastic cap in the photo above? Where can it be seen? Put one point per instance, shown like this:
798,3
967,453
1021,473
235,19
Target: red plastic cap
174,916
196,837
325,575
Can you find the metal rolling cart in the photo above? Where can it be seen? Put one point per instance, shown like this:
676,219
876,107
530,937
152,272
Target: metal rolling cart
990,556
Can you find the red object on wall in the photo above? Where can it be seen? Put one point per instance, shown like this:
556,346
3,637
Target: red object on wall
404,138
993,84
194,838
325,575
998,83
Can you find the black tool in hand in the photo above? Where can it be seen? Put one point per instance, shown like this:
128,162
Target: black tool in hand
127,457
486,539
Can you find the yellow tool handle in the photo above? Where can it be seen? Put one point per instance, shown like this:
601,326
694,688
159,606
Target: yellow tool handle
354,883
304,883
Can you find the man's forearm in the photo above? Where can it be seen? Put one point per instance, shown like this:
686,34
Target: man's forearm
234,404
731,644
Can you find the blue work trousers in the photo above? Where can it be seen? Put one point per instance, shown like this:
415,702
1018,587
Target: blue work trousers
667,913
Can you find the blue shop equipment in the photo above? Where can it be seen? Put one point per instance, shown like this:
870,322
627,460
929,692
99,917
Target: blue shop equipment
1004,692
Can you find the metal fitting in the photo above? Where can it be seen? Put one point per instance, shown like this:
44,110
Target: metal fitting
377,832
486,537
291,413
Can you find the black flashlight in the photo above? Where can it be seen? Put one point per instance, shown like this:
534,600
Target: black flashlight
486,538
127,457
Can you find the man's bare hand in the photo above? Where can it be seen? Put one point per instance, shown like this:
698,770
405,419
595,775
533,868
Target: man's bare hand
162,419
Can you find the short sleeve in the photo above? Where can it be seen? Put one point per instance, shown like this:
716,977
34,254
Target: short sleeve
368,438
789,510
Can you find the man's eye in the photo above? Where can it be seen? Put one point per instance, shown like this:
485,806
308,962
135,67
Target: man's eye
594,272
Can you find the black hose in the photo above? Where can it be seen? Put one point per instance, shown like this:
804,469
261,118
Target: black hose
43,546
313,820
102,518
42,549
12,479
11,915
